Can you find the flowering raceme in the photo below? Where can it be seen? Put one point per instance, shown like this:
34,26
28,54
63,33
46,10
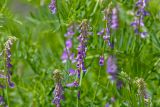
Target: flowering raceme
58,91
111,18
82,47
138,23
67,54
6,73
8,45
81,54
52,6
112,70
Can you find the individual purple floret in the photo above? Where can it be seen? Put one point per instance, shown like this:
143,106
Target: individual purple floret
72,72
69,43
101,61
73,84
52,6
114,22
138,23
70,31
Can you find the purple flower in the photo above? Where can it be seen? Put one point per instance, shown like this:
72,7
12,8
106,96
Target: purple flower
8,45
69,44
114,22
107,105
70,31
67,54
1,100
72,72
111,65
52,6
111,18
101,61
101,32
73,84
83,37
138,23
72,58
3,76
58,91
143,34
58,94
64,56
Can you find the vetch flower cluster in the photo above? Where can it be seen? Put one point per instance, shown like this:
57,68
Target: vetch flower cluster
111,19
114,21
138,23
67,54
8,65
112,67
52,6
58,91
82,47
112,70
81,54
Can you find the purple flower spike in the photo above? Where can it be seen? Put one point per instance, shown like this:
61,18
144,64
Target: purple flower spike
111,65
138,23
67,54
8,45
52,6
114,22
58,93
82,48
101,61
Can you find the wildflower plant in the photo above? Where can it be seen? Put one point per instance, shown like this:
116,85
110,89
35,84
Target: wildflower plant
106,52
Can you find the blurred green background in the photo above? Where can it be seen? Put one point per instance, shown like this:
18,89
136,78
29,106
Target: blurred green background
37,52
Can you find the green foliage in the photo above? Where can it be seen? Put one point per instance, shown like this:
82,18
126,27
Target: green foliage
37,53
